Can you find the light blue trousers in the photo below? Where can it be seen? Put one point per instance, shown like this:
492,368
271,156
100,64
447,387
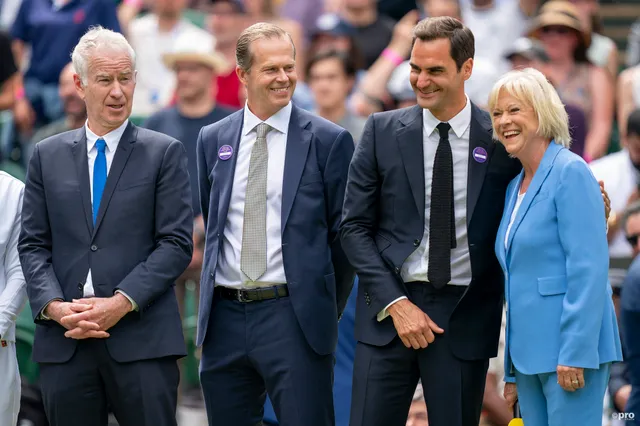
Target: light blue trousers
544,403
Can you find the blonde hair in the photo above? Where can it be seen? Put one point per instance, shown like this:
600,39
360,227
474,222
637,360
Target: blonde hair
261,30
532,87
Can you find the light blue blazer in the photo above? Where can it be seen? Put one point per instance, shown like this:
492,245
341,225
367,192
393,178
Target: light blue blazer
555,263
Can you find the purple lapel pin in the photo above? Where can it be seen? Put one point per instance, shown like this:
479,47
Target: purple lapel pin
225,152
480,154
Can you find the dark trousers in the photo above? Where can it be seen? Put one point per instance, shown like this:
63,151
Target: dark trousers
258,347
385,378
81,391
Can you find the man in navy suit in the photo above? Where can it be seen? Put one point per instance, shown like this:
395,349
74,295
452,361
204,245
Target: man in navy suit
107,225
275,279
423,204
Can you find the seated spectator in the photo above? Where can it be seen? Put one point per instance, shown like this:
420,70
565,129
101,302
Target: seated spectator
8,70
628,98
151,36
418,410
526,53
334,33
373,31
630,316
194,64
75,111
331,77
620,172
603,51
577,81
227,19
51,29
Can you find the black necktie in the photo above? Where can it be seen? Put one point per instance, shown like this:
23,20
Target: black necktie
442,232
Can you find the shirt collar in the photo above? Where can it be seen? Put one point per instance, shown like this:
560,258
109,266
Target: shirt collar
459,124
279,120
111,139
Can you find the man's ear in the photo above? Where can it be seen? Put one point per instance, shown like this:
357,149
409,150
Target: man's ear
78,85
467,68
242,75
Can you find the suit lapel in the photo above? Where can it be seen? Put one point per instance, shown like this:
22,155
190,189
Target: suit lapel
79,150
538,179
225,169
125,147
410,143
298,142
480,146
510,203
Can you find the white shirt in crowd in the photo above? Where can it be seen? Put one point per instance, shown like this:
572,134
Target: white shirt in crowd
416,267
228,273
13,291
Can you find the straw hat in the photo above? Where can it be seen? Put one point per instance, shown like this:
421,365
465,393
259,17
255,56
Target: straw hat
560,13
192,47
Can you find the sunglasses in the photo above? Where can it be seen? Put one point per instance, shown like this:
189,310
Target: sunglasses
556,30
633,239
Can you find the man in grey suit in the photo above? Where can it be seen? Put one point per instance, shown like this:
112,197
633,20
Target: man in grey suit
106,230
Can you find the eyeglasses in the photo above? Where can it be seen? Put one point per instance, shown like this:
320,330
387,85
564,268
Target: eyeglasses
633,239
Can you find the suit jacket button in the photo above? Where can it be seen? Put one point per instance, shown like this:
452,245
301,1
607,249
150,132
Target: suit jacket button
397,270
80,286
416,243
94,248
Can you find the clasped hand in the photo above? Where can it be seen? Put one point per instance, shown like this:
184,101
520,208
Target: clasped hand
90,317
414,327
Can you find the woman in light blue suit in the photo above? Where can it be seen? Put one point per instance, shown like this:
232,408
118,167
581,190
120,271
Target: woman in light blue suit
562,333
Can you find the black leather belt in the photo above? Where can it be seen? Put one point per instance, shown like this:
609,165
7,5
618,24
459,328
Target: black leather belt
253,295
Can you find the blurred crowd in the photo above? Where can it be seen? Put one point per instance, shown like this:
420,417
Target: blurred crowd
353,60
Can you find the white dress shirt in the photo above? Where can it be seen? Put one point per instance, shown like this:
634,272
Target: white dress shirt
13,289
228,273
416,267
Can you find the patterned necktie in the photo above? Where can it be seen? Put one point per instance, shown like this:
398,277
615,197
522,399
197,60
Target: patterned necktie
442,233
253,257
99,177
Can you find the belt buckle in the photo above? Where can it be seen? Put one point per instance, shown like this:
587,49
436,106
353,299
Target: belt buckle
241,298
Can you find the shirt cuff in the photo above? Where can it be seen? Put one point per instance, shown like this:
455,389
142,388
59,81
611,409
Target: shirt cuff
383,313
134,305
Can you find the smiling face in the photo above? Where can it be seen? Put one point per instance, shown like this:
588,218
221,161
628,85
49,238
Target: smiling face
271,80
515,124
108,93
435,79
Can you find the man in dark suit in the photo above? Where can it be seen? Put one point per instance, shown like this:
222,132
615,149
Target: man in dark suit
107,224
423,203
275,279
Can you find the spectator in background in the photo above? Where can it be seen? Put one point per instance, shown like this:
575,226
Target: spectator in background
8,11
628,98
373,31
495,24
331,78
8,73
151,36
195,65
418,410
630,316
75,111
334,33
51,29
633,45
620,172
603,51
227,19
305,12
576,80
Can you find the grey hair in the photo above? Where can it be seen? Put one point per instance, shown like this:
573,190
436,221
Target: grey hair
96,40
532,87
631,210
261,30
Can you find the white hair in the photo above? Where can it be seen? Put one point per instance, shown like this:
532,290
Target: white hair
95,41
532,87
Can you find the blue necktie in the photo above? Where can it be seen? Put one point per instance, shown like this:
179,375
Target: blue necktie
99,177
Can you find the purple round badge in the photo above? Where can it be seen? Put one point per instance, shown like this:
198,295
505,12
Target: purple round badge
480,154
225,152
